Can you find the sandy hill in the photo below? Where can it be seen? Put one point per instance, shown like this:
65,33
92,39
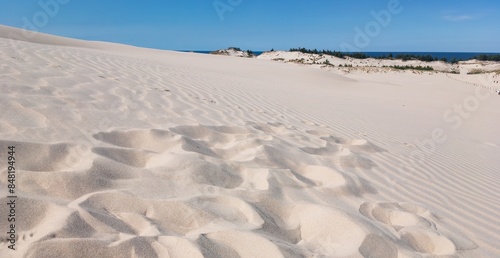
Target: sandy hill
233,52
371,64
131,152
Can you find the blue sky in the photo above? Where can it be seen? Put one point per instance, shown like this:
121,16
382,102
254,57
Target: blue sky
420,25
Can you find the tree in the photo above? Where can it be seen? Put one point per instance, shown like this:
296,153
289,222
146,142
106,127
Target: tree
484,57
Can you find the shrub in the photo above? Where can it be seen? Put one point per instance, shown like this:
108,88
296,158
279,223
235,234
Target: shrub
475,71
410,67
485,57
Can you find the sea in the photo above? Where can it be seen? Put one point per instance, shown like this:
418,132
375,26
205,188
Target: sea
439,55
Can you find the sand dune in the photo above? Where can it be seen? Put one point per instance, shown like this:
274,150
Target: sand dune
130,152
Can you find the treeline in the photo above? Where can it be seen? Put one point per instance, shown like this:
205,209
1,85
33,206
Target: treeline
424,58
329,53
429,58
404,57
484,57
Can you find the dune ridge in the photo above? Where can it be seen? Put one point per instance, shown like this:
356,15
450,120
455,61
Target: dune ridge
129,152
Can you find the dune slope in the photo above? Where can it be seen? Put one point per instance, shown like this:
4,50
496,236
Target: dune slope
130,152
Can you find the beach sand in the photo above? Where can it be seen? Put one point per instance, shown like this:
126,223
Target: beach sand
130,152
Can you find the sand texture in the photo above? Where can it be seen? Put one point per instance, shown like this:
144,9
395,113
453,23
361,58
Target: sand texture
130,152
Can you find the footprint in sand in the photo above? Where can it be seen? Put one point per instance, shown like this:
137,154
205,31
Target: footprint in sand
417,227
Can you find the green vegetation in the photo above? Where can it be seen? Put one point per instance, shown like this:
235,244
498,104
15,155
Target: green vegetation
250,53
329,53
359,55
315,51
327,63
475,71
404,57
299,61
410,67
484,57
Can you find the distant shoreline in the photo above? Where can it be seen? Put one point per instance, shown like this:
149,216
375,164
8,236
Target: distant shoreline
460,56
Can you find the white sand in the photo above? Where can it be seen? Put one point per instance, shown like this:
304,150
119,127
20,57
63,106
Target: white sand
374,65
131,152
233,52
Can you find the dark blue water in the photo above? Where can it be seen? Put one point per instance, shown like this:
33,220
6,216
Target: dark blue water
439,55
